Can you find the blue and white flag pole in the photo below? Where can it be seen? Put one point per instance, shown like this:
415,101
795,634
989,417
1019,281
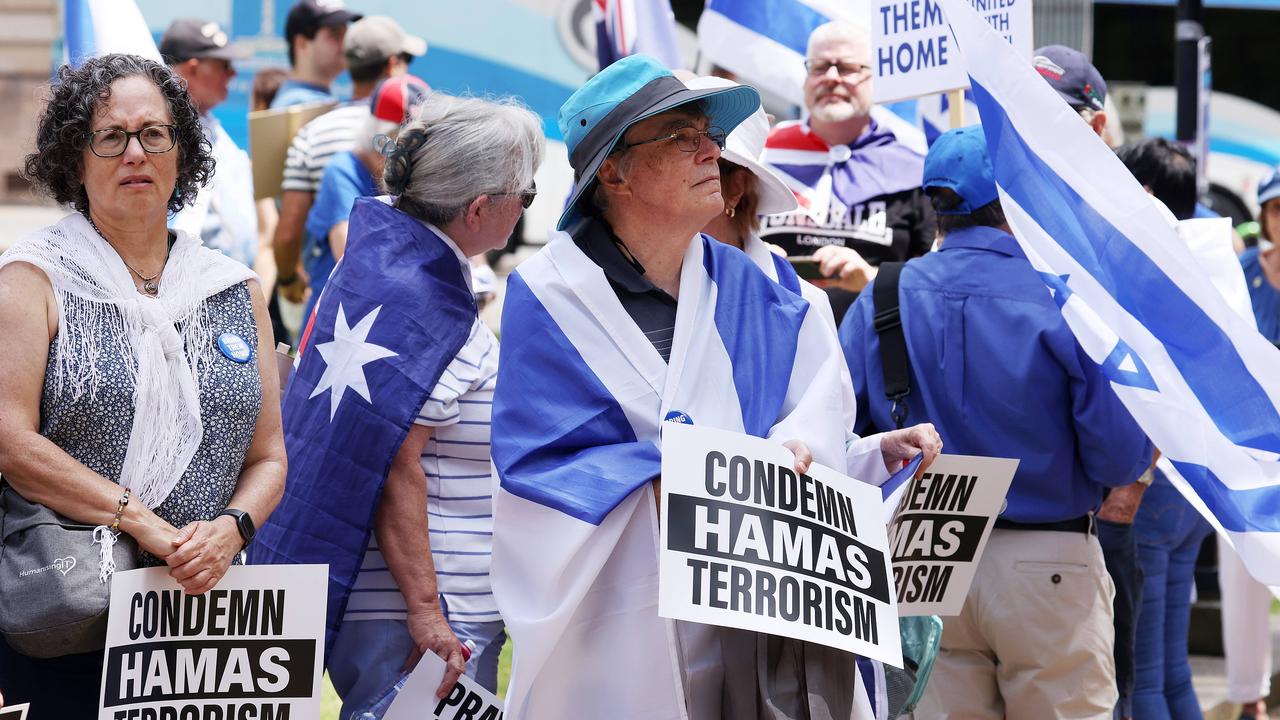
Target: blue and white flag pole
628,27
762,42
1198,377
102,27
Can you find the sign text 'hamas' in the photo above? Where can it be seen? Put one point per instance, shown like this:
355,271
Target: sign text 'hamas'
941,525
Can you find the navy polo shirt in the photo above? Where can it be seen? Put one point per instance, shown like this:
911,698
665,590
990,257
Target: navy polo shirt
648,305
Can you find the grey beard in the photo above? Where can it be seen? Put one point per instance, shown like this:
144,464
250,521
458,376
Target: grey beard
838,113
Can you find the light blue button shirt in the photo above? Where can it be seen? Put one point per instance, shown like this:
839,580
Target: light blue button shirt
223,214
998,372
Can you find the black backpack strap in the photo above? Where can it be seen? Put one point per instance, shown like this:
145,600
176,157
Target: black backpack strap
893,344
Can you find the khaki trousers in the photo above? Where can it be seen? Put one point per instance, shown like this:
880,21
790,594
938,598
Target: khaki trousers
1035,637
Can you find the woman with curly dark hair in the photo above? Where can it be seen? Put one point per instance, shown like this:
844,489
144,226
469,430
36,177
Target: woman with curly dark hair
139,393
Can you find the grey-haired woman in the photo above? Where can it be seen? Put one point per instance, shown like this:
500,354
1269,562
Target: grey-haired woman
461,174
132,396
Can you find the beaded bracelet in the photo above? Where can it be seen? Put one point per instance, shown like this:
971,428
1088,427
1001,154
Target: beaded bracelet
124,500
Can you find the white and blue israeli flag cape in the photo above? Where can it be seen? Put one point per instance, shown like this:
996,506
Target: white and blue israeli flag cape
1196,375
580,401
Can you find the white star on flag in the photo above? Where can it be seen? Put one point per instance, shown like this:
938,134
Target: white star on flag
345,357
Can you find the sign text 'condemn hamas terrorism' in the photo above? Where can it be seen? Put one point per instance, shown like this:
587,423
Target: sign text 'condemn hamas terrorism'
914,53
940,528
748,542
248,650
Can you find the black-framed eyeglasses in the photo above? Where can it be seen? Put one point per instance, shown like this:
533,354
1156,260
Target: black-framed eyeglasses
526,196
688,139
845,68
154,139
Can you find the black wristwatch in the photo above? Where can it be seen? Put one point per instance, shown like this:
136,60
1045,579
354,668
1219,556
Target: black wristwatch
244,523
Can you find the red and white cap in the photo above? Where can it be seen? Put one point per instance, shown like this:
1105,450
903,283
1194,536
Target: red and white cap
396,99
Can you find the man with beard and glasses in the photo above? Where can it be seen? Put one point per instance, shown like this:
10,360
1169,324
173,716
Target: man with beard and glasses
855,175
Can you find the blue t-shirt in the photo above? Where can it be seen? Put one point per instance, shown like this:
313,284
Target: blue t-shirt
344,180
1265,298
296,92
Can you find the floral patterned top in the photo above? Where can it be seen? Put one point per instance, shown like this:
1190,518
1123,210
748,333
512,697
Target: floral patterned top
94,428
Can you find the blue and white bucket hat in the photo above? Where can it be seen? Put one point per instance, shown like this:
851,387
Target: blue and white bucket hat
632,89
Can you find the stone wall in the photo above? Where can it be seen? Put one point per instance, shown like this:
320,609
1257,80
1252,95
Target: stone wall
29,30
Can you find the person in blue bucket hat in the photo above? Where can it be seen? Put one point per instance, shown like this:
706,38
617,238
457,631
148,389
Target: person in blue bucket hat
629,320
638,93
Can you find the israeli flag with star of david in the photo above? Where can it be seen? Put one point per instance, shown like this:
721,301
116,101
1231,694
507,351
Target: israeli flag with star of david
1197,376
395,312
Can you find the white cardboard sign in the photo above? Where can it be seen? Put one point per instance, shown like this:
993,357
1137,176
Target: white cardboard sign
15,712
940,528
251,647
749,543
466,701
913,52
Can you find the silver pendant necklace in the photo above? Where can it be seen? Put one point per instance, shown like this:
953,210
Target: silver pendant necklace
149,284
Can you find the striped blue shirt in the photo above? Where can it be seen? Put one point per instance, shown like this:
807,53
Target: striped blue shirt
459,494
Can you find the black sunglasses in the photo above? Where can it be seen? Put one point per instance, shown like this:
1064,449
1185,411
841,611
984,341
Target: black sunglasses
526,196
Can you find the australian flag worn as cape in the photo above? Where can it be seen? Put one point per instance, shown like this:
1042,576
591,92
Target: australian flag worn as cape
395,312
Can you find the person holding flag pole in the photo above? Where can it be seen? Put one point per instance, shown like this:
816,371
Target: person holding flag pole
1197,376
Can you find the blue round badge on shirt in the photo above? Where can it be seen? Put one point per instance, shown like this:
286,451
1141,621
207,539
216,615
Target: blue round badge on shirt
235,347
677,416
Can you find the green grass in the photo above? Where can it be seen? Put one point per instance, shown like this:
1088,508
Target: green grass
330,704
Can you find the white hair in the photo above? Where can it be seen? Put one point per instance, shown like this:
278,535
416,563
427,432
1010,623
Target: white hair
458,149
854,31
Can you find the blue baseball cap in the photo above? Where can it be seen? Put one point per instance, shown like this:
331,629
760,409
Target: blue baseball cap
636,87
1269,186
958,161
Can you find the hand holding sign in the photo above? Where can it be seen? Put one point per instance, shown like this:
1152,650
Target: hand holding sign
466,700
899,447
433,636
804,458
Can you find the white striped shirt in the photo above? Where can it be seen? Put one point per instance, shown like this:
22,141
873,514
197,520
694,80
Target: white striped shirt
318,141
459,494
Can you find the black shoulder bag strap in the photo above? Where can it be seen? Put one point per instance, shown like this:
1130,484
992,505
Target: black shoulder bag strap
893,344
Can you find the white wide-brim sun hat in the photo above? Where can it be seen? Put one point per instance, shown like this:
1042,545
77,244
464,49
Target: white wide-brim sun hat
744,147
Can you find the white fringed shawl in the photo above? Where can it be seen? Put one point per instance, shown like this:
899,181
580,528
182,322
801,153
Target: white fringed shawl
101,311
